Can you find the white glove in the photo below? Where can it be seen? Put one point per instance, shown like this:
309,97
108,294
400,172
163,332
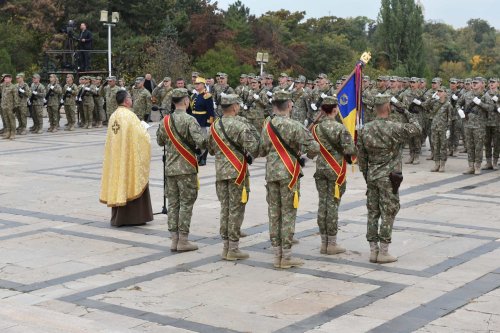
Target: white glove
435,96
323,95
455,97
498,110
21,90
79,99
495,98
417,101
447,134
314,107
51,87
255,96
96,89
35,93
194,91
461,113
394,99
269,93
215,105
245,107
61,101
476,100
44,101
270,100
87,89
306,122
69,89
123,88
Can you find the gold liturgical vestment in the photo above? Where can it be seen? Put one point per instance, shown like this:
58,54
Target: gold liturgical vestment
127,155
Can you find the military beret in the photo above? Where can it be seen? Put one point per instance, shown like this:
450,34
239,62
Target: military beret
330,100
20,75
281,96
322,76
195,74
36,76
414,79
243,76
167,78
229,99
111,78
436,80
223,75
179,92
382,99
139,79
284,75
199,79
366,78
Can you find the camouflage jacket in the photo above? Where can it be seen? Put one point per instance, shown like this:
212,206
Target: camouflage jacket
190,132
379,145
475,115
395,115
242,91
10,96
99,96
55,94
166,101
68,96
299,111
297,137
241,132
337,140
142,102
23,97
40,94
88,95
110,96
442,117
257,109
493,117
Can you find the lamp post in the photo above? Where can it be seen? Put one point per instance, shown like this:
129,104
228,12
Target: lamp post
115,17
262,58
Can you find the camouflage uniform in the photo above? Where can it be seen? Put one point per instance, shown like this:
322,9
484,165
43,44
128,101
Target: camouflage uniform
142,102
182,177
427,116
53,98
218,92
69,94
9,100
38,93
408,98
299,111
257,110
491,147
99,115
379,146
22,106
88,104
110,95
441,123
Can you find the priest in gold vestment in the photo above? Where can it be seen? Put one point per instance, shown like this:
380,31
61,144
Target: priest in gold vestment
125,171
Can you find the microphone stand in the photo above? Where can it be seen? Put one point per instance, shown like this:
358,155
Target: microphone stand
164,159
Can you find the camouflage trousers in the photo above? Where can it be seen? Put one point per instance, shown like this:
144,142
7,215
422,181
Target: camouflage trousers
22,116
491,141
426,131
474,141
53,112
81,115
415,143
182,192
99,114
328,206
381,204
88,110
232,210
3,118
281,213
439,144
38,116
454,135
70,111
9,119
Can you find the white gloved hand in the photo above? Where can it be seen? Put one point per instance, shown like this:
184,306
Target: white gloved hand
476,100
498,110
69,89
51,87
394,99
194,91
447,134
455,97
306,122
44,101
79,99
87,89
270,100
269,93
435,96
35,93
61,101
461,113
123,88
495,98
255,96
323,95
215,105
314,107
245,107
417,101
21,90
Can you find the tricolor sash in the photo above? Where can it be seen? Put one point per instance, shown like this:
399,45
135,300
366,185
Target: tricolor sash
340,170
186,154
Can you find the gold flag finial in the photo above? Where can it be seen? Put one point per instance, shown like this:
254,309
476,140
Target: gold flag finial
365,57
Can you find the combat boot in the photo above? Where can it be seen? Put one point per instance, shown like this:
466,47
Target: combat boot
324,242
287,261
12,135
71,127
436,167
383,256
488,165
243,234
373,251
99,124
416,159
50,129
184,245
23,131
55,129
277,256
234,253
2,131
39,131
295,241
495,164
463,150
477,168
174,237
332,247
410,159
430,158
225,248
89,126
441,166
6,135
470,170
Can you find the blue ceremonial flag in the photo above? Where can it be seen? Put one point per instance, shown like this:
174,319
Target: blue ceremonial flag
350,101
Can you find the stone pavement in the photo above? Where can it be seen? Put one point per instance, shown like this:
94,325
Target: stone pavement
64,269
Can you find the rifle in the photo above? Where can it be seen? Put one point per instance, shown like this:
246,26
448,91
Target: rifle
164,160
30,102
47,96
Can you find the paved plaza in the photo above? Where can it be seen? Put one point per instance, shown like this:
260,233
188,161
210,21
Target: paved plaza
64,269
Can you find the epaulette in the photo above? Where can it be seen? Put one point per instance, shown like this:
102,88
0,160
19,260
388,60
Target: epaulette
207,95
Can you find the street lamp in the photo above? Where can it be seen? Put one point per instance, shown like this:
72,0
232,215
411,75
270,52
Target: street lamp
115,17
262,58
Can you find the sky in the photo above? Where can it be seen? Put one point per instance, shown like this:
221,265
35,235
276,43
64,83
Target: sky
453,12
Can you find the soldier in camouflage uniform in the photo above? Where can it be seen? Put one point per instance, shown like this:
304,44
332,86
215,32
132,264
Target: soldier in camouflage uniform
255,106
182,176
70,91
322,90
282,190
222,89
162,94
87,98
492,127
110,94
412,99
21,109
300,98
368,98
476,106
282,83
440,129
455,118
99,115
337,143
379,145
53,97
242,89
142,99
430,99
9,101
241,139
37,95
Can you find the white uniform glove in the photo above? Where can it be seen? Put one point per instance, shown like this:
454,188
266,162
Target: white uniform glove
455,97
44,101
87,89
323,95
417,101
79,99
447,134
498,110
394,99
35,93
21,90
61,101
270,100
256,97
215,105
269,93
495,98
314,107
435,96
123,88
476,100
69,89
194,91
51,87
306,122
245,107
461,113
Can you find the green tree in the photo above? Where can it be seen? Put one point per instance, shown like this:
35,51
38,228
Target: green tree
237,19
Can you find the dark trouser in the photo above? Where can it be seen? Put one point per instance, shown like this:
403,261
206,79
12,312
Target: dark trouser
84,60
491,148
